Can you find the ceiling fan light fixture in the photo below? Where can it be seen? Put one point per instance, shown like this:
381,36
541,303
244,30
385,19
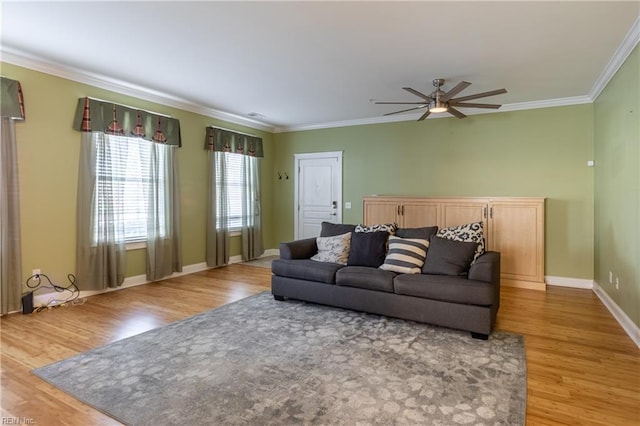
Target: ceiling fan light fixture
439,107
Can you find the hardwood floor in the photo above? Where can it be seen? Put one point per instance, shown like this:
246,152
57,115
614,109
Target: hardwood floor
582,368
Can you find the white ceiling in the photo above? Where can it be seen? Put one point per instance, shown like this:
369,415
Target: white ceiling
313,64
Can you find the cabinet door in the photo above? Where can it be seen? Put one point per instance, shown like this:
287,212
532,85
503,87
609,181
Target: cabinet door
418,214
380,211
517,232
460,213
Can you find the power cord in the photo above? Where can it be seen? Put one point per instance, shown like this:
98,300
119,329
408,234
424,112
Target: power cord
35,283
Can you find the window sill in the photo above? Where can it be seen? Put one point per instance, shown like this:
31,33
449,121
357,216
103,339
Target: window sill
136,245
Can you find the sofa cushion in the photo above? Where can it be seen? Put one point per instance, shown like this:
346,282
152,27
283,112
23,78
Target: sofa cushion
368,248
446,288
423,233
389,227
470,232
306,269
448,257
333,249
406,255
364,277
329,229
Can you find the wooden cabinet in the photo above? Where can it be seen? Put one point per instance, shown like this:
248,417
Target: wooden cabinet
406,213
513,226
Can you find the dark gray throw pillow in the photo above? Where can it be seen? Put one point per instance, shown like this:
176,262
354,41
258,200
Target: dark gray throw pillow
422,233
332,229
448,257
368,248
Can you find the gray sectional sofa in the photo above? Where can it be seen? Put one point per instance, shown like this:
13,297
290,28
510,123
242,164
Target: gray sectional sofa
467,300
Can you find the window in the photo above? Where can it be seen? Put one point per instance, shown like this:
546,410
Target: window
124,178
236,184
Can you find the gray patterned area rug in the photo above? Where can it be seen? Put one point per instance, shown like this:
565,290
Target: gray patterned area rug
259,361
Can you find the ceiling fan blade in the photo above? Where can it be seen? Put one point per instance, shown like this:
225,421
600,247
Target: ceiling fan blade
404,110
455,112
400,103
457,89
415,92
478,95
472,105
425,115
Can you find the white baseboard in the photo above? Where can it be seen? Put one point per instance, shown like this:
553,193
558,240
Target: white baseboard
271,252
41,299
267,253
569,282
44,298
627,324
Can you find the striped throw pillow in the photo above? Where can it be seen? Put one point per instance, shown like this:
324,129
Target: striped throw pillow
405,255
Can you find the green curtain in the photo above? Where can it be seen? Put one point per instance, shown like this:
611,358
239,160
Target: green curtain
222,140
11,99
164,249
11,110
93,115
217,248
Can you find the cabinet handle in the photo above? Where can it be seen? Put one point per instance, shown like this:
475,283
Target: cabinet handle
403,210
398,209
484,212
491,213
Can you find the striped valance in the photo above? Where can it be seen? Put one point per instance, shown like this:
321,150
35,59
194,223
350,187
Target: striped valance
223,140
11,100
93,115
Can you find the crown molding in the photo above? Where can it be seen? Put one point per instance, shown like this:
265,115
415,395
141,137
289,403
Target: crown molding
26,60
16,57
549,103
629,43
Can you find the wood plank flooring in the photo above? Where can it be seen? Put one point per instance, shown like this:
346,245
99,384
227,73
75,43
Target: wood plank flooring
582,368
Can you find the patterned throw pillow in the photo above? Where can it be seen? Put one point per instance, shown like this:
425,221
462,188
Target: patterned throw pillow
470,232
406,255
389,227
333,249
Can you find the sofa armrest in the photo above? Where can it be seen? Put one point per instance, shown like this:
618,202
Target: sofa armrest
298,249
486,268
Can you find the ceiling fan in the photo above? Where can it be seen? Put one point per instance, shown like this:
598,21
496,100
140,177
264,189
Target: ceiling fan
441,101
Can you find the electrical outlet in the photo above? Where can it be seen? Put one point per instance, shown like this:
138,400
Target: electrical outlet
347,205
36,272
617,283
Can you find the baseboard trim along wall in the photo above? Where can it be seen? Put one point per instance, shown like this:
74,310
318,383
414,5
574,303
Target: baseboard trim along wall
44,298
627,324
569,282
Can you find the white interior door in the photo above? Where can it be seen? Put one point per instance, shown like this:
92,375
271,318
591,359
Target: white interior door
318,190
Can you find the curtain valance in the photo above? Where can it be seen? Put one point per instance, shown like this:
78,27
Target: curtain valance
93,115
223,140
11,101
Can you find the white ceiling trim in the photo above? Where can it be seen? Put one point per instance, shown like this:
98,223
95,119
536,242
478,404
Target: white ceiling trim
574,100
629,43
16,57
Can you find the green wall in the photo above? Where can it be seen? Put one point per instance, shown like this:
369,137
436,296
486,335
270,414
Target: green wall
48,150
540,153
617,187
